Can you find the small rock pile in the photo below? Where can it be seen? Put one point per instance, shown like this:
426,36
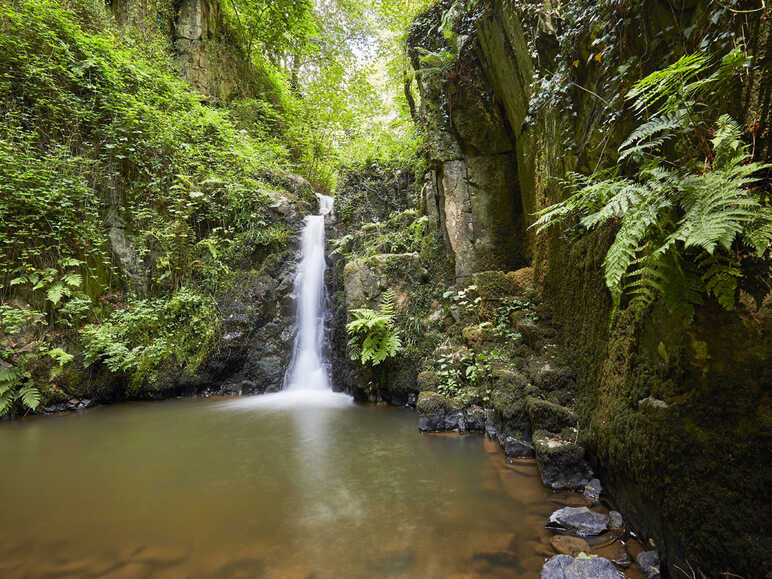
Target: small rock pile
592,544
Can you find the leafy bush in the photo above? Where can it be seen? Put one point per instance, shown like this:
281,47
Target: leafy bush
684,226
373,335
149,334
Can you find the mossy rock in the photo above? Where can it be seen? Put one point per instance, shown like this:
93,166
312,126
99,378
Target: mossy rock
492,285
476,336
509,395
548,416
561,462
428,380
522,280
431,403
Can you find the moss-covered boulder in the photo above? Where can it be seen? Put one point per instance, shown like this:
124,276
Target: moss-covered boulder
562,463
545,415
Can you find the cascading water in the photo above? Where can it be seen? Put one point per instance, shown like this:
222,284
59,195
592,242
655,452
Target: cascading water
307,379
307,371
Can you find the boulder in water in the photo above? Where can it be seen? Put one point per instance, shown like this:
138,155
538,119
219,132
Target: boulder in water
567,567
580,520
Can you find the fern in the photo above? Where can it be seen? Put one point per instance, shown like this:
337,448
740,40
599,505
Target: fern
677,229
720,275
373,337
651,135
30,396
758,233
669,86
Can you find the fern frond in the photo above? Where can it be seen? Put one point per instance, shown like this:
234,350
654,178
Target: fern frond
758,233
663,87
728,147
716,209
30,397
720,273
388,303
590,194
624,195
629,241
666,275
651,135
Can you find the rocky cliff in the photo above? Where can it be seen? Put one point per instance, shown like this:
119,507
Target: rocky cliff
513,96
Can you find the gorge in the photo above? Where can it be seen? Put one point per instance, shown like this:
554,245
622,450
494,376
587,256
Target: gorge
433,288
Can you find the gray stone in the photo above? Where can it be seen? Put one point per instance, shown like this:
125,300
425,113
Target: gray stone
648,561
566,567
593,489
615,520
580,520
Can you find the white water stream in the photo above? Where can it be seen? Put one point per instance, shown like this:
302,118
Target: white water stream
307,381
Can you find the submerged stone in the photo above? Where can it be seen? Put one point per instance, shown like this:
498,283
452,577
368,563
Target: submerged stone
567,567
580,520
567,545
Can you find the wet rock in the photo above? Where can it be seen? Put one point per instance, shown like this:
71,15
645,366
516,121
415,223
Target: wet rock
648,561
561,463
548,416
516,447
475,419
567,545
438,413
580,520
567,567
615,520
593,489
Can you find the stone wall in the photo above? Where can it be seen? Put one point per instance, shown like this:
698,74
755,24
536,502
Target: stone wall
677,419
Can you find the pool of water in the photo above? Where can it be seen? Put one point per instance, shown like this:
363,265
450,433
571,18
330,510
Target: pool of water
237,488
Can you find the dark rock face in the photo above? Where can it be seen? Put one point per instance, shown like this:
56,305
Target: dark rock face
566,567
580,520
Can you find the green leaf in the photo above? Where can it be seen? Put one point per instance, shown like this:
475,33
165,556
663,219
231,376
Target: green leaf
56,292
30,397
72,279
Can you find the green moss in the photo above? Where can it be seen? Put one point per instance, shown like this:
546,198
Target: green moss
547,416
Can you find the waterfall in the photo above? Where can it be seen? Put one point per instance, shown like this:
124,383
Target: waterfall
308,370
307,380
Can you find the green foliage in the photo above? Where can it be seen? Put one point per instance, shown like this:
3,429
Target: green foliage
373,335
150,334
682,233
402,232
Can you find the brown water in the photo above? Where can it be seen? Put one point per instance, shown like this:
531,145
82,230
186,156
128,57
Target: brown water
194,488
